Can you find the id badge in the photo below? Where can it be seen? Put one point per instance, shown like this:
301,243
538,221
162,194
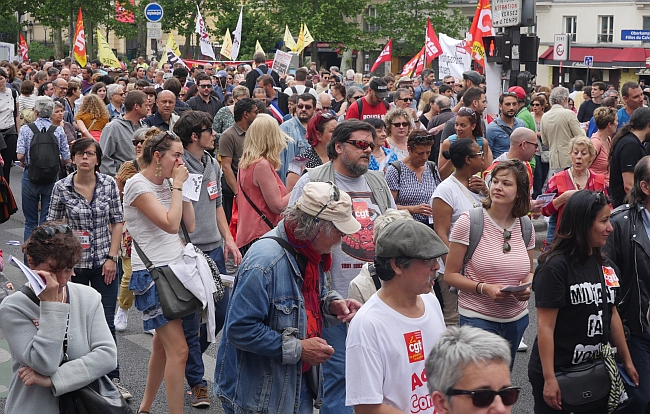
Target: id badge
212,189
84,238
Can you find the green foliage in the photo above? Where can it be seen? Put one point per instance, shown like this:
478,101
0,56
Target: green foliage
9,29
405,22
40,51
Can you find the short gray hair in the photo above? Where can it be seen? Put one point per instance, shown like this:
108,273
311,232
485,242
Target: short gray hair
443,102
44,105
305,226
112,89
351,91
558,95
456,349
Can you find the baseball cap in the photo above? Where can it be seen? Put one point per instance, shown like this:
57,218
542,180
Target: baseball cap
521,94
222,74
380,87
474,76
409,238
325,201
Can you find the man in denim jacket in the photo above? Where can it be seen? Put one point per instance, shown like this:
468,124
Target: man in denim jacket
271,350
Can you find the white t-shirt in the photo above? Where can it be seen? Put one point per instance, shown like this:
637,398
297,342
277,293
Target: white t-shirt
459,198
160,247
301,89
386,353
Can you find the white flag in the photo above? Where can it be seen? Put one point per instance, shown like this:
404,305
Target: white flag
455,59
236,41
173,58
206,45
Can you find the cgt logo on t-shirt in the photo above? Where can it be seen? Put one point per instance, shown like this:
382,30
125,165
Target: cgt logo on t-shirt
414,347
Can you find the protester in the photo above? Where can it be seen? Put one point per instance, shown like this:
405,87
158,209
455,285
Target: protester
499,131
9,124
558,127
468,125
381,156
563,282
537,106
225,117
399,125
607,124
99,89
92,117
372,104
38,332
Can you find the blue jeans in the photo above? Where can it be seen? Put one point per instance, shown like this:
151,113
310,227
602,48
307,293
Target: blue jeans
32,194
196,335
639,346
94,278
550,231
510,331
334,372
306,400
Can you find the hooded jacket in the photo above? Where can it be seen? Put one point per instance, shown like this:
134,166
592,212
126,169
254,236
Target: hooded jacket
116,144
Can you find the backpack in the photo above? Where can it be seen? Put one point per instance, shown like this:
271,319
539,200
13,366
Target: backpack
476,231
295,91
268,72
44,156
360,106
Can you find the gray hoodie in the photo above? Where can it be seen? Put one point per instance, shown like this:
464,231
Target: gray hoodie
117,146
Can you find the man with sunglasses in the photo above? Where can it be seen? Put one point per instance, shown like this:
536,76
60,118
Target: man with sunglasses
296,128
403,98
499,131
467,369
205,101
349,151
324,84
391,335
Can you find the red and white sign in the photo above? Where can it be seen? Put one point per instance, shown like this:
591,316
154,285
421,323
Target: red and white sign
23,49
414,346
432,47
385,56
561,47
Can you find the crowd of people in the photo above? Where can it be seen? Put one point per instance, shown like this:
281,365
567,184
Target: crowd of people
378,230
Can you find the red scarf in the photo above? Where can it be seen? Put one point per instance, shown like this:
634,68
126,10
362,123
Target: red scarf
311,286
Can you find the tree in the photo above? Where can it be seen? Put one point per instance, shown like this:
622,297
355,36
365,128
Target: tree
405,21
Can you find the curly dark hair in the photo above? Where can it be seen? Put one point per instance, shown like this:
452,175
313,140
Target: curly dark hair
63,249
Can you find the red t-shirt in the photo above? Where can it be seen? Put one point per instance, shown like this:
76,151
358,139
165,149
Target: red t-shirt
369,111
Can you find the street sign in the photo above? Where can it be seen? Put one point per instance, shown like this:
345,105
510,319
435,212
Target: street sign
154,34
506,13
154,25
643,35
153,12
561,47
589,61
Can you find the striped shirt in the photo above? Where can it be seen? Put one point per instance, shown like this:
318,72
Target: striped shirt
490,265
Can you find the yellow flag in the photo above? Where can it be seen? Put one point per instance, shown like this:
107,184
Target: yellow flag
300,44
171,43
226,45
308,38
106,55
258,47
288,39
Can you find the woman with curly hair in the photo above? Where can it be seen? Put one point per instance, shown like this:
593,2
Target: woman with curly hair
399,124
92,117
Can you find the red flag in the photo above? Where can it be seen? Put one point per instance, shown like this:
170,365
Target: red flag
412,64
23,49
80,42
420,64
481,26
432,47
385,56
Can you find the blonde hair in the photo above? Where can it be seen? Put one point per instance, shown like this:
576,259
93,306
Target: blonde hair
240,91
397,113
264,139
583,141
93,105
424,99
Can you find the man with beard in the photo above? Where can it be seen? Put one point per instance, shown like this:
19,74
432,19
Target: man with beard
296,128
499,131
349,151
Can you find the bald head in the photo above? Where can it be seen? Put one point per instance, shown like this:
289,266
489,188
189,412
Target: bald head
522,134
523,144
325,100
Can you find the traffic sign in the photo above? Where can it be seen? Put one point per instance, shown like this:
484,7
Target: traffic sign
561,47
154,25
643,35
153,12
589,61
506,13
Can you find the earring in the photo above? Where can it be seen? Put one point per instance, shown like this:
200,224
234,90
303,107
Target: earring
158,169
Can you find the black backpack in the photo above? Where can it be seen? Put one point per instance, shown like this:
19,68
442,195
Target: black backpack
44,156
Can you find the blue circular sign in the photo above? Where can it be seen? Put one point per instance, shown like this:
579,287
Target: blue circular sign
153,12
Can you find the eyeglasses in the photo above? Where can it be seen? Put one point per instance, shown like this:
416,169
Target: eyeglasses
509,94
601,198
450,83
531,143
357,97
406,99
506,241
484,398
467,111
400,124
137,142
478,154
422,139
335,195
362,145
44,233
307,107
205,129
205,86
535,104
88,153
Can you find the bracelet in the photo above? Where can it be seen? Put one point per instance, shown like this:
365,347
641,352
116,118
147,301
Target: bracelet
476,288
177,188
483,285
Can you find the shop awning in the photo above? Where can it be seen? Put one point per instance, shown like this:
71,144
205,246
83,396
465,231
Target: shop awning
604,57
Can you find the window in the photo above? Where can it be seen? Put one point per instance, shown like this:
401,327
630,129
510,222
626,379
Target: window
372,13
570,27
606,33
646,24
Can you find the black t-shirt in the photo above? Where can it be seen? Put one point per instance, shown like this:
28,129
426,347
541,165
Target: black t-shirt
575,290
627,152
336,106
586,110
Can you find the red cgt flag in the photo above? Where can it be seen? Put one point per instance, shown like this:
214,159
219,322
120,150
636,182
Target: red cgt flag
23,49
481,26
413,64
385,56
432,47
80,42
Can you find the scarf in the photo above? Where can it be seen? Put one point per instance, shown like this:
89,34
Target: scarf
310,289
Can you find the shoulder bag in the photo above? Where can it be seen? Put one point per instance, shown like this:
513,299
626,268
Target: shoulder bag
100,396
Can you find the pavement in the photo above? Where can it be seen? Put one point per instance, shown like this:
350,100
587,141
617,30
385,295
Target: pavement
134,346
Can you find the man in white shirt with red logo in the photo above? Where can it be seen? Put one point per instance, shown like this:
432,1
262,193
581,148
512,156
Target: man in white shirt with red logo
390,337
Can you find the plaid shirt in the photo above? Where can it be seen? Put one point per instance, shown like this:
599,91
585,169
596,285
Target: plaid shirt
26,134
94,217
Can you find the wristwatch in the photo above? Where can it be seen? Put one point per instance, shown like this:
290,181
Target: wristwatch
113,258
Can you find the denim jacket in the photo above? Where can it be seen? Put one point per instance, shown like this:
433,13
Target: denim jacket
294,129
259,368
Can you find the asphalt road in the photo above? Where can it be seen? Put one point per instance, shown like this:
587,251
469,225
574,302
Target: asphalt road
134,346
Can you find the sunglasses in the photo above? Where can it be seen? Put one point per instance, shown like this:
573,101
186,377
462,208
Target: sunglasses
205,86
449,83
531,143
535,104
205,129
467,111
406,99
478,154
601,198
44,233
362,145
335,195
400,124
137,142
506,241
326,116
485,398
307,107
357,97
422,139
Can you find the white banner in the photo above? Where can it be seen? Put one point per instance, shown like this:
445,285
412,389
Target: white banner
454,59
204,38
236,37
281,62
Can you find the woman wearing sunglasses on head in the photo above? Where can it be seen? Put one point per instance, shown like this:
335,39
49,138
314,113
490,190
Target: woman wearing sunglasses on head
399,124
468,125
153,210
68,313
572,321
502,258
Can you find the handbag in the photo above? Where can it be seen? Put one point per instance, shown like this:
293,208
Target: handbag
100,396
176,301
214,269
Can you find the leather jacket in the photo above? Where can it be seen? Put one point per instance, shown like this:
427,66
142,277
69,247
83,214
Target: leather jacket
629,248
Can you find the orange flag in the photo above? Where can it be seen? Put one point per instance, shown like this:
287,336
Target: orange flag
481,26
80,42
412,64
